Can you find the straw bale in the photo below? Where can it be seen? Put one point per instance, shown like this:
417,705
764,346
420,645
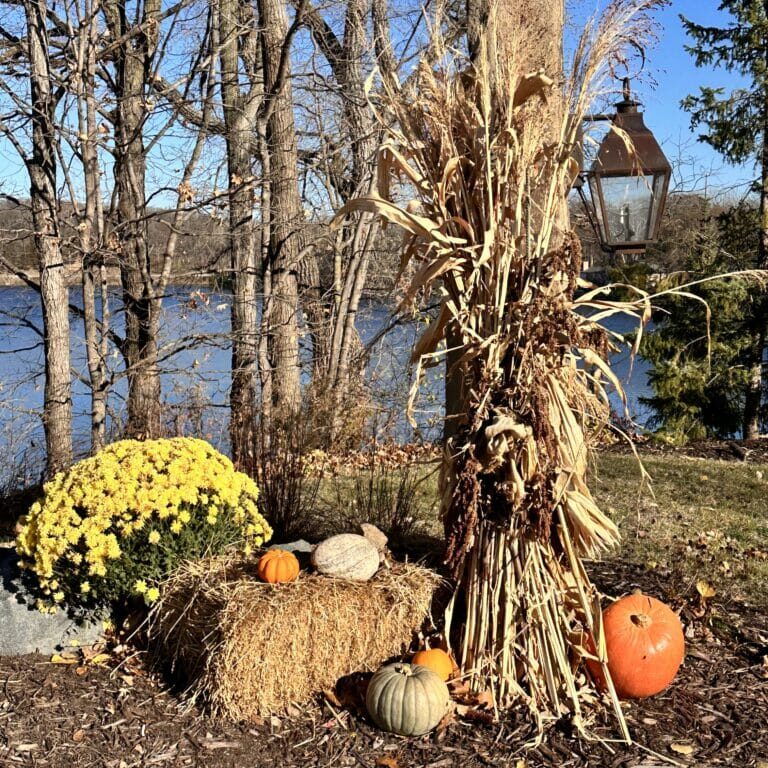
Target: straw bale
248,649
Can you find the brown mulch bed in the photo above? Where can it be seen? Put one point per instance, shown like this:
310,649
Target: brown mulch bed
54,715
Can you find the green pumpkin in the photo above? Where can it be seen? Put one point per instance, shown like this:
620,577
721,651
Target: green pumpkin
406,699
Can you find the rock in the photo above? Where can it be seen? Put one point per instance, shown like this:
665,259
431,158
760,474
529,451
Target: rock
26,630
295,546
346,556
375,536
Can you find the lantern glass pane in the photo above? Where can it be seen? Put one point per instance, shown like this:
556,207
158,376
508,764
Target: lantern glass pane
628,207
658,190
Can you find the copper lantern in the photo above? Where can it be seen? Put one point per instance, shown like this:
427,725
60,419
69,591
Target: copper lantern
628,182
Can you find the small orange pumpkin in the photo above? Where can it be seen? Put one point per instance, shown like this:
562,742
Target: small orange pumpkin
437,660
278,566
645,646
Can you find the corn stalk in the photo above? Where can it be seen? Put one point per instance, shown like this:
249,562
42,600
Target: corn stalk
483,233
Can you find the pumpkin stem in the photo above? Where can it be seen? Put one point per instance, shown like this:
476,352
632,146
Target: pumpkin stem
641,620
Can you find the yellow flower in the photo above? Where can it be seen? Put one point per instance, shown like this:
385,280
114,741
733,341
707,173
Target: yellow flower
58,597
89,511
140,587
153,594
113,549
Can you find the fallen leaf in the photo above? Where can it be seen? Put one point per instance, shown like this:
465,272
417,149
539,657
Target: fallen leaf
78,735
459,688
705,589
482,716
100,658
80,671
682,749
484,699
384,761
65,658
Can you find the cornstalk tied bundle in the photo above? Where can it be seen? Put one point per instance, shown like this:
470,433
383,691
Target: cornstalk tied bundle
484,233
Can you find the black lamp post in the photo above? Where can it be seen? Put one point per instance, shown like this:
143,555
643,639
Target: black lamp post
628,182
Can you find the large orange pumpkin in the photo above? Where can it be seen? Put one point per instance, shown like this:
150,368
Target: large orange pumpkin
278,566
645,646
435,659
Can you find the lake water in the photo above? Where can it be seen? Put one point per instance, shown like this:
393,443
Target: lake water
195,362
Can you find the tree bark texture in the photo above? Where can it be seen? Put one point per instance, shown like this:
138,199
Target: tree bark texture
286,211
54,294
133,59
239,114
91,232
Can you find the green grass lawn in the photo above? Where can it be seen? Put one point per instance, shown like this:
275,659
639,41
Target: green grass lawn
701,519
704,519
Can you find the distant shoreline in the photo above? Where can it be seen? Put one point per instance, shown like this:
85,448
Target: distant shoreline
73,276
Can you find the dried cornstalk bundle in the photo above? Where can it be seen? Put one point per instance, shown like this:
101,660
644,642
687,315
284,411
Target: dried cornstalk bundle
485,234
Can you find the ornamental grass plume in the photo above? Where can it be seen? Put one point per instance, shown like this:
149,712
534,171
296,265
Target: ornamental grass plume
113,525
474,143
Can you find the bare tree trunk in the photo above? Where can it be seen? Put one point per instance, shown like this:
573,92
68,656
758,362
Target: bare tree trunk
347,59
91,231
239,116
133,59
477,19
286,211
755,390
265,364
364,136
754,395
41,165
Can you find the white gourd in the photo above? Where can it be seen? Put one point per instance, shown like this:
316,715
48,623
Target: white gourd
346,556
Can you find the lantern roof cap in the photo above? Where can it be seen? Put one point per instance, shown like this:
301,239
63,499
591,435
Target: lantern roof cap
629,148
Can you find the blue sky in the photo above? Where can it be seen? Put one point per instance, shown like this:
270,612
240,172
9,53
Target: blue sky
670,75
676,76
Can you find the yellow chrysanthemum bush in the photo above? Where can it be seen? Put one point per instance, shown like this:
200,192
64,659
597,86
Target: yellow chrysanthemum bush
115,524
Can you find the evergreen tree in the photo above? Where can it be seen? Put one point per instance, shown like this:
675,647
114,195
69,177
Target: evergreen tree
699,382
736,125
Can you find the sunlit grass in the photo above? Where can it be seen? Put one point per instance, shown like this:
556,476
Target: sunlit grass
708,520
705,519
